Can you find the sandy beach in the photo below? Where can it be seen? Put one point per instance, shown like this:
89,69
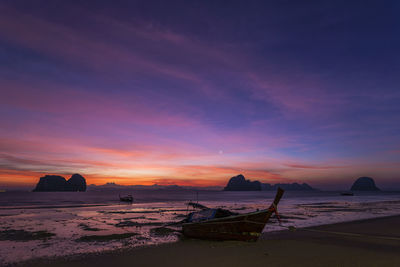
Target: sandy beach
372,242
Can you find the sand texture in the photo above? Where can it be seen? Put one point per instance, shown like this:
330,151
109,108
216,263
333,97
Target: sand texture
373,242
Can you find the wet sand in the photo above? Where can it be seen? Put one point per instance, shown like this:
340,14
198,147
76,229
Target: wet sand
373,242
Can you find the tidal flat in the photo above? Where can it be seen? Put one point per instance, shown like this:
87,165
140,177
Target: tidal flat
102,225
370,242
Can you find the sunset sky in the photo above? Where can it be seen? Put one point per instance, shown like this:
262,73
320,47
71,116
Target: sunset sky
195,92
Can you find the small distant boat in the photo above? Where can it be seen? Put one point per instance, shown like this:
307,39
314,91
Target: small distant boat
219,224
347,194
127,198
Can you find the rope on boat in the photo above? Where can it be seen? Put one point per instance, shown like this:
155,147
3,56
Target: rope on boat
274,209
292,229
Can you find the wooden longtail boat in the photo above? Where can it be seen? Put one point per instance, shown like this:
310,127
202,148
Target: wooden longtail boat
244,227
127,198
347,194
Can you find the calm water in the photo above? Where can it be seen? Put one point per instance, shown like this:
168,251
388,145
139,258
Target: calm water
71,217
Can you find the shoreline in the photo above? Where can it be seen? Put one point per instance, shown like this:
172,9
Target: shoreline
38,207
368,242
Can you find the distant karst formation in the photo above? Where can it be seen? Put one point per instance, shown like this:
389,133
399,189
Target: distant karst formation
239,183
288,187
55,183
364,184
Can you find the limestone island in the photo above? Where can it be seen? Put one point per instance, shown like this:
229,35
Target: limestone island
239,183
55,183
364,184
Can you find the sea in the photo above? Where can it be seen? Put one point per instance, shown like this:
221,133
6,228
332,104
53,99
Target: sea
54,224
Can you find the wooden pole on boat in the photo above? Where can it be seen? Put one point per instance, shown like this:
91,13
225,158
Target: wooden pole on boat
274,206
278,195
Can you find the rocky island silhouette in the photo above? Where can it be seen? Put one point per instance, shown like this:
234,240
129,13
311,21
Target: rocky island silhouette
239,183
56,183
364,184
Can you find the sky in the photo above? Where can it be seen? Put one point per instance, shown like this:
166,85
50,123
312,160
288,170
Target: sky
195,92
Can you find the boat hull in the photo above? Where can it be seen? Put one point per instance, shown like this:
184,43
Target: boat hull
246,227
128,198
